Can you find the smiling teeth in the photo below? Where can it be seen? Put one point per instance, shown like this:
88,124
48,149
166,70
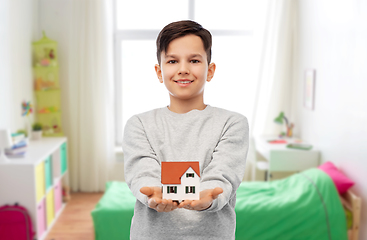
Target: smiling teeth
184,82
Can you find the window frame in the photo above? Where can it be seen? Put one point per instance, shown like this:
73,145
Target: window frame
170,188
190,189
190,175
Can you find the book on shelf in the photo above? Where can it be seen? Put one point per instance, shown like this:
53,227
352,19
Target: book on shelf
16,155
17,137
20,144
16,150
19,147
301,146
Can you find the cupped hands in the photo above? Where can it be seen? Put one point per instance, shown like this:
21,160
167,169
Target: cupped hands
156,202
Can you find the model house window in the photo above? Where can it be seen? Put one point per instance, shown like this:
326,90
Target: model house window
190,189
232,24
190,175
171,189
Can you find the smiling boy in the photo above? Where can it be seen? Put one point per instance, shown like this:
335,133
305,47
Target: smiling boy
186,130
184,69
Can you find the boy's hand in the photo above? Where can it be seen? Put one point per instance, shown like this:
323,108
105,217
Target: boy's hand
155,200
206,200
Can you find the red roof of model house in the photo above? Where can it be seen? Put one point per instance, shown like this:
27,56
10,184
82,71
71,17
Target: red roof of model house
172,171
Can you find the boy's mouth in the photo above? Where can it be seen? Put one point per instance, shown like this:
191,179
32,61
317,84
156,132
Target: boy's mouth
183,83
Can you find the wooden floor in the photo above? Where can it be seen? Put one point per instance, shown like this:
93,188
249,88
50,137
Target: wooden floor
75,222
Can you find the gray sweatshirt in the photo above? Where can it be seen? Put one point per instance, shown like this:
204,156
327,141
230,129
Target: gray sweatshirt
215,137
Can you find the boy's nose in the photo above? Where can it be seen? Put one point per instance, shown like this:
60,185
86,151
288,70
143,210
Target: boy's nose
183,69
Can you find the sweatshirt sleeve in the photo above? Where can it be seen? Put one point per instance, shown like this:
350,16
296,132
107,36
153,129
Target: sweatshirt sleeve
227,167
142,168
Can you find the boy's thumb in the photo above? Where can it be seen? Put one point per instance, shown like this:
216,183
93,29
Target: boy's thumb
147,191
216,192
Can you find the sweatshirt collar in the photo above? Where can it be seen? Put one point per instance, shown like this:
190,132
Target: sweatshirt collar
190,113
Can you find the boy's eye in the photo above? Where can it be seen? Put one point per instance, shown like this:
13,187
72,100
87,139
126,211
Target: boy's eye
172,61
195,61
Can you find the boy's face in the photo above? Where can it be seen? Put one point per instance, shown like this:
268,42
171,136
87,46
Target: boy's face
184,68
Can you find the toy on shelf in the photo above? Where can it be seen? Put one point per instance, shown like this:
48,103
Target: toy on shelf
48,109
53,127
46,86
51,124
45,78
180,180
27,109
45,52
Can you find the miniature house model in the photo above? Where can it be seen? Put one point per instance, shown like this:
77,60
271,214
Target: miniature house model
180,181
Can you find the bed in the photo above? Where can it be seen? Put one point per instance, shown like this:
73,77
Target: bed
303,206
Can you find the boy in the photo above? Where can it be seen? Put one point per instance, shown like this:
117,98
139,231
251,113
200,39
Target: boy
186,130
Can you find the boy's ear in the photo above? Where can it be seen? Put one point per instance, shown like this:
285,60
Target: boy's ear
211,71
158,71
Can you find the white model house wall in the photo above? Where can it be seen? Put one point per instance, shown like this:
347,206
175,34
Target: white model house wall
181,188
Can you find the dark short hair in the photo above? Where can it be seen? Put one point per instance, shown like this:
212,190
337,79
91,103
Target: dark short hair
180,29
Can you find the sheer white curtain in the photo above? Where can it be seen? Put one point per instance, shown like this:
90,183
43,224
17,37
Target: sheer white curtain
90,102
275,72
275,75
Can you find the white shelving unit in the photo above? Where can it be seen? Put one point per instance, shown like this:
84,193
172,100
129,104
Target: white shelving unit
35,182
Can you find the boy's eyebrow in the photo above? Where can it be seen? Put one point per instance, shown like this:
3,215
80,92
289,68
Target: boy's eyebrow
196,55
190,56
170,56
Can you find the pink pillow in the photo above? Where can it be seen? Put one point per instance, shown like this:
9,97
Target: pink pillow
341,182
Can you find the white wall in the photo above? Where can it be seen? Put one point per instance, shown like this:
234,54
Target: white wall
4,66
332,39
18,23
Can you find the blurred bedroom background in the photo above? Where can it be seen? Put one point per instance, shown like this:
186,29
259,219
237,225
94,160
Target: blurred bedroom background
263,51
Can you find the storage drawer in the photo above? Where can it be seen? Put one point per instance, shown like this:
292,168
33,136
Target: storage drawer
64,158
41,218
40,181
56,163
48,172
58,196
50,206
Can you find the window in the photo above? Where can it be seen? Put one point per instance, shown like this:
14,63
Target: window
191,175
171,189
190,189
232,24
